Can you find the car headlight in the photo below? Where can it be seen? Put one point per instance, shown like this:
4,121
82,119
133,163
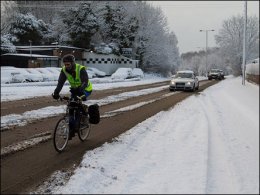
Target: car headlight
188,83
172,82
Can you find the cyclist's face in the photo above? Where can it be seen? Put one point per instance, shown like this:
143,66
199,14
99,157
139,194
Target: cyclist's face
68,65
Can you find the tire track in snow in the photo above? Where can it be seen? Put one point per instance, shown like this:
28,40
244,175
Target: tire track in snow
181,153
220,173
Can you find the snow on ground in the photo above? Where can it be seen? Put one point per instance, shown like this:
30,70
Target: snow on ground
22,119
208,143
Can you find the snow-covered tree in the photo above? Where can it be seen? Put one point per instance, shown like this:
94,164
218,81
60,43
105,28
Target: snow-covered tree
117,26
7,44
26,27
80,24
230,40
153,46
8,12
46,10
196,61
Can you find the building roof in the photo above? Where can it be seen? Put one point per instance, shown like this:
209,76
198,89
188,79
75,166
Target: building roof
47,47
29,55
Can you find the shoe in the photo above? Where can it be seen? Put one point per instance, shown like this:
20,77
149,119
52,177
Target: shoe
71,134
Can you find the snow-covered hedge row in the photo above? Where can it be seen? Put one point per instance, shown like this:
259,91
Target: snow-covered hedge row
253,68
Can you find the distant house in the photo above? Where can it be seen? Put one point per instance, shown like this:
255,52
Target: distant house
28,61
51,55
53,50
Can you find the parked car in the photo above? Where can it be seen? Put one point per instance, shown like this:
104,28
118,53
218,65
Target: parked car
184,80
214,74
55,71
47,75
13,75
137,72
97,72
6,76
222,74
19,75
30,77
37,74
91,74
122,73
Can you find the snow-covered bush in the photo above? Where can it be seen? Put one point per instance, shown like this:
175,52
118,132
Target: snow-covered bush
103,49
253,67
27,27
7,45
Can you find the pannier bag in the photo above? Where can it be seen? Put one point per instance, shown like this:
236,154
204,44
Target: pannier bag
94,116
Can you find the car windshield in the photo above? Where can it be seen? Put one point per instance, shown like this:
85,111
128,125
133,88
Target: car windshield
214,70
183,75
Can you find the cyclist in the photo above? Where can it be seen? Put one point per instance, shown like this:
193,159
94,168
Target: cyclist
77,77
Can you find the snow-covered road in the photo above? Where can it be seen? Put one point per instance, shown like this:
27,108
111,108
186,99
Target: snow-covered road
209,143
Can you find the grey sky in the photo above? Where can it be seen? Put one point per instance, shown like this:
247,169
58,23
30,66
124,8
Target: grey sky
186,18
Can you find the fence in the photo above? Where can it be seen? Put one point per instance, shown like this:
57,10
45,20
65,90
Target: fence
252,71
108,63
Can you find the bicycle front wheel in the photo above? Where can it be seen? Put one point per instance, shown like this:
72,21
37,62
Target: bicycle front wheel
61,135
84,131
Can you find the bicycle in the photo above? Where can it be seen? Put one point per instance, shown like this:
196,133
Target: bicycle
72,122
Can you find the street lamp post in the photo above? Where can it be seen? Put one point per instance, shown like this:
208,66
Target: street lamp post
30,47
244,43
206,51
30,50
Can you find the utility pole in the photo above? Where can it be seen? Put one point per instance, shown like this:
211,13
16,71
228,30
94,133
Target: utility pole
30,48
206,51
244,44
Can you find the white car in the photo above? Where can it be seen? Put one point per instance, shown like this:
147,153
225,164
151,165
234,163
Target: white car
97,72
6,76
91,74
47,75
55,71
30,77
122,73
14,75
137,72
184,80
18,75
37,74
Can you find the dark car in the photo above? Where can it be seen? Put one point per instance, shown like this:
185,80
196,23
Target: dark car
215,74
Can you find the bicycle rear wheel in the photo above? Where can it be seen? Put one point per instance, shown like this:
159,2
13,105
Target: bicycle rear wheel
61,135
84,130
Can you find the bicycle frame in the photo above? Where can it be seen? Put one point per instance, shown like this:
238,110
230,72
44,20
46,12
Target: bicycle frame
74,112
70,123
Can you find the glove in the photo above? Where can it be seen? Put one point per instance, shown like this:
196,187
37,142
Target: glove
76,91
81,90
55,96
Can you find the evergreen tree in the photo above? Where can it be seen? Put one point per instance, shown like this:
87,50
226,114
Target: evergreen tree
81,24
26,27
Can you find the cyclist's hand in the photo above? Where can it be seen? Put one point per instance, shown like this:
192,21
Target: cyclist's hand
55,96
81,90
76,91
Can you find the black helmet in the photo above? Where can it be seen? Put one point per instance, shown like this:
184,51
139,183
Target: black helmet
69,58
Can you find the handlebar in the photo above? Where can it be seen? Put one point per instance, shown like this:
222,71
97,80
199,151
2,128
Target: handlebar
61,98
